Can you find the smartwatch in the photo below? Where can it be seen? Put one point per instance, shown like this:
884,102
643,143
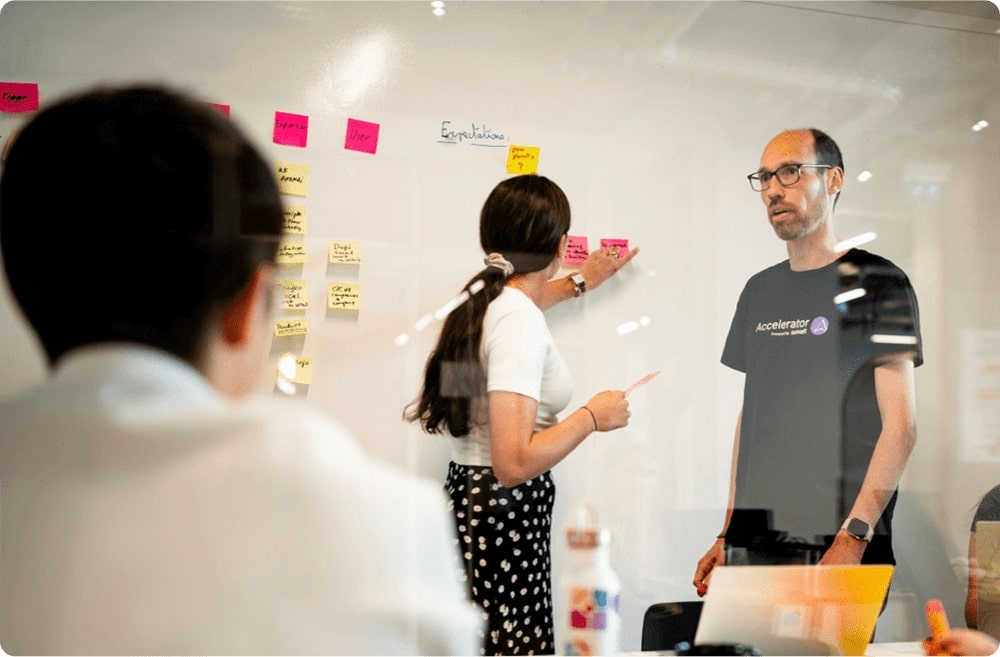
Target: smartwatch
859,529
579,284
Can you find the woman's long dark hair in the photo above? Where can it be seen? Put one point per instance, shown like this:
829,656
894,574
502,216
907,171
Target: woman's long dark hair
523,219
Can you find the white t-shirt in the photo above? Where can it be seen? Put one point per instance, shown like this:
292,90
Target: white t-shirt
145,513
520,356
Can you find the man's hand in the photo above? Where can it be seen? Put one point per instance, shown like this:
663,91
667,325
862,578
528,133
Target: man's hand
716,556
846,550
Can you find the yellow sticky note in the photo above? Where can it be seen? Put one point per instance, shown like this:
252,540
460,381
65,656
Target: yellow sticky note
295,220
343,296
303,370
287,327
345,253
293,179
291,253
293,293
522,159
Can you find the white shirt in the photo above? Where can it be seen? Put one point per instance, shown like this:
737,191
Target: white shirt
144,513
520,356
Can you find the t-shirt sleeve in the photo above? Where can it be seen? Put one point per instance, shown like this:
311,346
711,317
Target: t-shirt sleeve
734,353
515,354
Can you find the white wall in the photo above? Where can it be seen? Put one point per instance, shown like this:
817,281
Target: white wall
649,115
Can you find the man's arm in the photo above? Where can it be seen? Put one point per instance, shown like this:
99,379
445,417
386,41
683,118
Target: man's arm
894,391
716,555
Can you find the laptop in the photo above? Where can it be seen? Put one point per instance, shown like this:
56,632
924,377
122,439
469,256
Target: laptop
988,582
794,609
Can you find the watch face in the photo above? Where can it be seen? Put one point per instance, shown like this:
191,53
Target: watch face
857,527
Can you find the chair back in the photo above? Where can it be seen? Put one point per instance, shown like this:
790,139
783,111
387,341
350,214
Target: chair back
666,624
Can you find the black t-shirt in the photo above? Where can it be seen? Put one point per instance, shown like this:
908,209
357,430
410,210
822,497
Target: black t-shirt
810,416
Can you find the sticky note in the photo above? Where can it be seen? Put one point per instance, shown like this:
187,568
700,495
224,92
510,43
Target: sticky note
345,253
291,129
293,179
291,253
293,293
295,220
222,109
343,296
286,327
18,96
303,371
621,244
576,249
361,136
522,159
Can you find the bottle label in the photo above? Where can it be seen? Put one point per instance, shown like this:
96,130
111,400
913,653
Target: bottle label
592,609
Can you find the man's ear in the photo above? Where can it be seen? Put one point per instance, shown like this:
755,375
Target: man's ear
241,316
835,181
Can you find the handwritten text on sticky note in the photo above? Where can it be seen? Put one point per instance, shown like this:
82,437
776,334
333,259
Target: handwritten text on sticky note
293,293
291,253
291,129
522,159
295,220
621,245
303,371
345,253
287,327
576,250
343,296
361,136
18,96
293,179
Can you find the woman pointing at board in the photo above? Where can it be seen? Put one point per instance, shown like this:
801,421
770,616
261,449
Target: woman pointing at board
495,382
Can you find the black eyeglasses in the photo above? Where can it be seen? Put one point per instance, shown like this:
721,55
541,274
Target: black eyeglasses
786,175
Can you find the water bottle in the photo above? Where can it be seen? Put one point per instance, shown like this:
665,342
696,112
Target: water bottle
590,590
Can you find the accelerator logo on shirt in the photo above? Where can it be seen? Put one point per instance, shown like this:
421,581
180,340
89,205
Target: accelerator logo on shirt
787,327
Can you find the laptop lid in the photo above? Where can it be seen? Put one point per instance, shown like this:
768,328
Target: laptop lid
794,609
988,577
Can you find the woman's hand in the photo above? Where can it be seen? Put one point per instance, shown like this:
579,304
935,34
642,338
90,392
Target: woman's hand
604,263
610,409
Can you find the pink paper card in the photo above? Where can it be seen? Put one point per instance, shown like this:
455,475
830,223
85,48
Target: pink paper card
222,109
576,250
621,244
361,136
291,129
18,96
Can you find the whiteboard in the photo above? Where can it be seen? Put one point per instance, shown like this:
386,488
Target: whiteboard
649,115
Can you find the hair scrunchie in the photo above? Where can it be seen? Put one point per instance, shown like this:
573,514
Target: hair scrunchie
501,263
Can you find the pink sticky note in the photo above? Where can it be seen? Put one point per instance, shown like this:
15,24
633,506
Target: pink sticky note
576,249
621,244
223,109
18,96
361,136
291,129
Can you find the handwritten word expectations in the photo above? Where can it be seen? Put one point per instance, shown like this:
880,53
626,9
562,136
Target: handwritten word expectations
477,134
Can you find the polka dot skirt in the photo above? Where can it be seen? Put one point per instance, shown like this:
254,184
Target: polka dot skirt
504,536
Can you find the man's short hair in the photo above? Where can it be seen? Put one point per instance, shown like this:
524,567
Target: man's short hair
133,214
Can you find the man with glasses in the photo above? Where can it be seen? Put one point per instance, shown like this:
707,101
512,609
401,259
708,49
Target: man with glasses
828,340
